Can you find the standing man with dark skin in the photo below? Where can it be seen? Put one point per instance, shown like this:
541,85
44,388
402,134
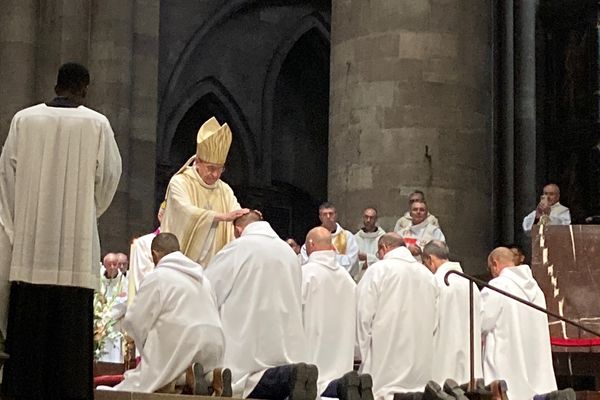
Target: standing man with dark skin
59,171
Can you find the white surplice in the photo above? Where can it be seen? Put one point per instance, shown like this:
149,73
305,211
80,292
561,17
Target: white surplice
559,215
59,170
257,281
115,291
174,322
517,339
367,243
347,259
405,221
423,232
396,318
451,339
330,326
140,262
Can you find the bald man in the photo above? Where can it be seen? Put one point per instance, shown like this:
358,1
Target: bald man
257,281
548,209
396,319
330,326
113,285
516,337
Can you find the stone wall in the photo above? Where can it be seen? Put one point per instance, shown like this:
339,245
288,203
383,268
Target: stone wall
410,109
118,41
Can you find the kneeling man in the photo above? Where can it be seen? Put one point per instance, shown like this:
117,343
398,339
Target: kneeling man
173,320
330,326
257,281
517,341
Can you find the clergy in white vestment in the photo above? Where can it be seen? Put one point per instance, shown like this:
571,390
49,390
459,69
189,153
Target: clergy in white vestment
367,238
343,240
421,232
451,339
141,263
173,320
113,286
516,337
59,170
548,210
406,220
200,206
257,280
396,319
330,326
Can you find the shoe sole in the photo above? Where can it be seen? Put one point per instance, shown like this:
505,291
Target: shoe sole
365,387
348,387
226,381
201,387
453,389
433,391
298,379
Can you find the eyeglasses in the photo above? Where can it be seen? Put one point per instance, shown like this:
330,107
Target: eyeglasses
213,168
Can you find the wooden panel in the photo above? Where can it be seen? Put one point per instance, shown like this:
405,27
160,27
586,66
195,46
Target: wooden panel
566,264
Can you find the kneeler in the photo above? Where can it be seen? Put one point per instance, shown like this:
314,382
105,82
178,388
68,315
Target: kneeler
131,361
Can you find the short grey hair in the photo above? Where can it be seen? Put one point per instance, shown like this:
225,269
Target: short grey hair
436,248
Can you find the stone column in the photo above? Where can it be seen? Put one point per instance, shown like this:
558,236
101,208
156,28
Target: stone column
143,117
525,117
410,109
110,93
506,144
63,36
18,21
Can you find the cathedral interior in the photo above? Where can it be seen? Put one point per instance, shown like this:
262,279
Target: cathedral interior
476,102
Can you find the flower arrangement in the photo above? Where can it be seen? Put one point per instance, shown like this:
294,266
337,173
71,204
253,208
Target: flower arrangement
104,319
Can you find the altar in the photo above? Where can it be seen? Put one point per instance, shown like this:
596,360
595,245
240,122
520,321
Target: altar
566,264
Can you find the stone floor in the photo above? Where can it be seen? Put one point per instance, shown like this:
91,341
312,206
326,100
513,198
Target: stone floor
114,395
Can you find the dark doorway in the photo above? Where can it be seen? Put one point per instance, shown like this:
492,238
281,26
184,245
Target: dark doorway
300,131
183,145
568,103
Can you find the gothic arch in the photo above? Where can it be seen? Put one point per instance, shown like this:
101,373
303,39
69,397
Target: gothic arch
235,116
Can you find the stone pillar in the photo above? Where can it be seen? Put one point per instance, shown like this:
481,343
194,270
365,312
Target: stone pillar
410,109
63,36
525,116
18,21
506,144
142,141
110,63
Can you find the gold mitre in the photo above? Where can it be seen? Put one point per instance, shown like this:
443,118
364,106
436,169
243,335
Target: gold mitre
213,141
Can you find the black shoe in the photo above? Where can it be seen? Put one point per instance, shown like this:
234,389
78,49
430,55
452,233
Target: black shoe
433,391
348,386
365,387
297,383
312,375
200,386
452,388
565,394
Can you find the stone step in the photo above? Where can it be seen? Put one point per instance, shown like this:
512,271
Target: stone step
116,395
587,395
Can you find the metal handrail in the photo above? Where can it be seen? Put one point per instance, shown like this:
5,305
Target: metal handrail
509,295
